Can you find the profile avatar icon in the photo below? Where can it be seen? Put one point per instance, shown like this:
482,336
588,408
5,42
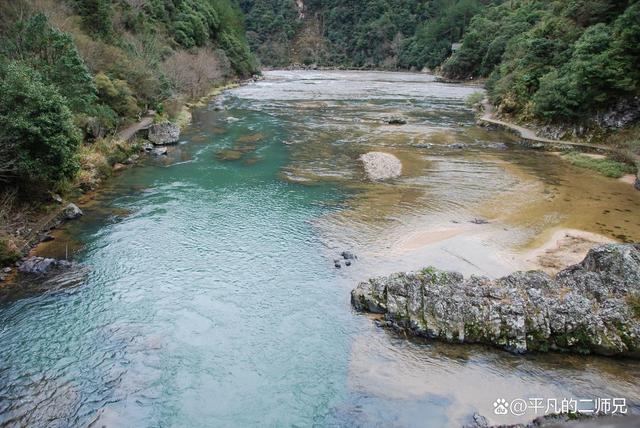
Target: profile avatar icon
500,406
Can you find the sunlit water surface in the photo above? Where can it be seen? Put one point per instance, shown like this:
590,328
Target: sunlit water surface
212,298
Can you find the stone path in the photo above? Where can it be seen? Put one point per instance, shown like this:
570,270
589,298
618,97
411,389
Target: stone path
531,136
130,131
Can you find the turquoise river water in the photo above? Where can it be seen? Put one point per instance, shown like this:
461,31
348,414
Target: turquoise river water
212,297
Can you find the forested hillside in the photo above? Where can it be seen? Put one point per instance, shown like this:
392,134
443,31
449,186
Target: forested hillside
89,66
73,72
547,61
556,61
388,34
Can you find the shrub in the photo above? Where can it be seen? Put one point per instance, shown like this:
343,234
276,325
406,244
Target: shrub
38,126
54,55
8,252
474,99
117,95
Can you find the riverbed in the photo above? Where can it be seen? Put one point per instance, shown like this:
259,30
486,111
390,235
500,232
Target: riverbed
213,299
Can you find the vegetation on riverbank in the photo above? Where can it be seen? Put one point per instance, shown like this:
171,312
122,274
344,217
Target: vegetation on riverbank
73,72
569,65
556,61
605,166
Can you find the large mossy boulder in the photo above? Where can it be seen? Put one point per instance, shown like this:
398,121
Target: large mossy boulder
164,133
591,307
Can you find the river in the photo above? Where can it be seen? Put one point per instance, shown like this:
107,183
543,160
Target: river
212,297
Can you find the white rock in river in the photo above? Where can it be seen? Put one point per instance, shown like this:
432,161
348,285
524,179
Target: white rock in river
381,166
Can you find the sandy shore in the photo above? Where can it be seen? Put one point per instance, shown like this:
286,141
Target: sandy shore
470,251
565,247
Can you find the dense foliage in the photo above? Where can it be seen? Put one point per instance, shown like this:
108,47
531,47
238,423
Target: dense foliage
36,127
388,34
81,68
554,60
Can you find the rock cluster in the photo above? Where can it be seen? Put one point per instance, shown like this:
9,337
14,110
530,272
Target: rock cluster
381,166
164,133
396,120
41,265
591,307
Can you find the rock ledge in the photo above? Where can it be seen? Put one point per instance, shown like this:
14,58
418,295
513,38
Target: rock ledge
591,307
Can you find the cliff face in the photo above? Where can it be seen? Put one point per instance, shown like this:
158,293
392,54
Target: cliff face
591,307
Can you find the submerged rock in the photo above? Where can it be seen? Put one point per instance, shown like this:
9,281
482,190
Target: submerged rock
591,307
479,221
381,166
496,146
396,120
164,133
348,255
457,146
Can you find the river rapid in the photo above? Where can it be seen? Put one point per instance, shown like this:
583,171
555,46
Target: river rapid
212,297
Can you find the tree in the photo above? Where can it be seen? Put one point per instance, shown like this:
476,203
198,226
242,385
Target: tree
53,54
96,17
36,126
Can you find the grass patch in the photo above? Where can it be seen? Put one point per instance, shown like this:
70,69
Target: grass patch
474,98
607,167
8,252
634,302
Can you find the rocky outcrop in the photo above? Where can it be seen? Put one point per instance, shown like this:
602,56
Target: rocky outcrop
42,265
164,133
72,212
381,166
591,307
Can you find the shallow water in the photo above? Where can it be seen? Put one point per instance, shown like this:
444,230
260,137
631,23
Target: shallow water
212,298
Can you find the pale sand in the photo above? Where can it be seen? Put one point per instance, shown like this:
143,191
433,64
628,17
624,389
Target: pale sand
628,178
565,247
423,238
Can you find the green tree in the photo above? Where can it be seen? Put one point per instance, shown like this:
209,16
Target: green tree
96,17
36,127
53,54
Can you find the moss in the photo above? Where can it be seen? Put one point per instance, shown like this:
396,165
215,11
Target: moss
634,303
578,341
429,271
536,340
605,166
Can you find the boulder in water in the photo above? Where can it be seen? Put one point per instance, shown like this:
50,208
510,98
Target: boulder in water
72,212
591,307
396,120
42,265
381,166
348,255
164,133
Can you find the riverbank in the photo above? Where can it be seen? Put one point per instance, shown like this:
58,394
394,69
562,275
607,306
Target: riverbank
531,137
26,225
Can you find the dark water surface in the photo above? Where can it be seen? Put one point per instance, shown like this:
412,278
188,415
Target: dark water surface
212,298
